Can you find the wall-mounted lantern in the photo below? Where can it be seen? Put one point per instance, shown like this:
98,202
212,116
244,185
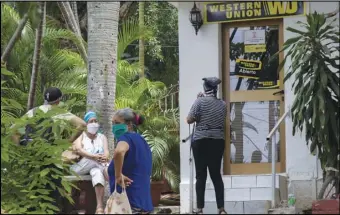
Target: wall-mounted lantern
196,18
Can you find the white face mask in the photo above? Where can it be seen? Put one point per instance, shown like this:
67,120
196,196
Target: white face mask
92,128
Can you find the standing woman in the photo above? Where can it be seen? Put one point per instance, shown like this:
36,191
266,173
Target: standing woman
209,113
132,161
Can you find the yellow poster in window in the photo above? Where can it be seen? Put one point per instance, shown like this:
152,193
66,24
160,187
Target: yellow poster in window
255,48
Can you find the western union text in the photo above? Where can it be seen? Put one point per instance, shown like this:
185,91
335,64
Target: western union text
249,10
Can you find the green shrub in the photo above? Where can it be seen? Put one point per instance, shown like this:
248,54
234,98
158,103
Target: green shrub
28,173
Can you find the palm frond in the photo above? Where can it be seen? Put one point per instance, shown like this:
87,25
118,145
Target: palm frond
130,32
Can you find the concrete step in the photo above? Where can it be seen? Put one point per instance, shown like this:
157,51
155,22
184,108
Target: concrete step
247,181
248,187
239,207
243,194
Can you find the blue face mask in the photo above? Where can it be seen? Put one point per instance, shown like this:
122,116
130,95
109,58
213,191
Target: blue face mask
119,129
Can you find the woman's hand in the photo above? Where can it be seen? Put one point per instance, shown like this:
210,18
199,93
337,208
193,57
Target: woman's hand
200,94
103,159
96,157
127,181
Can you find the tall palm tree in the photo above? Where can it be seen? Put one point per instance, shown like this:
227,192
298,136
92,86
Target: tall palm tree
36,57
103,20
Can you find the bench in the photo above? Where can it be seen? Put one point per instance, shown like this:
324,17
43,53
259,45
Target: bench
84,199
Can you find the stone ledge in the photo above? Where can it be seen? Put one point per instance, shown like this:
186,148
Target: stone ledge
78,178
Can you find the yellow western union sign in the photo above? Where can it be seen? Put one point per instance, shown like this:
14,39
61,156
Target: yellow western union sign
217,12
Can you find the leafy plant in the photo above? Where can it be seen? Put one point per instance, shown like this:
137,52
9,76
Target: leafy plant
61,66
160,129
314,54
29,174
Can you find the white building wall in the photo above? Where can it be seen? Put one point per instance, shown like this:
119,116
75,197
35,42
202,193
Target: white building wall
200,56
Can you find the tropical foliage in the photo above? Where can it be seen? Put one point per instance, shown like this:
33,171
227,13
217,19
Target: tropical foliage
29,175
61,65
161,50
161,128
314,55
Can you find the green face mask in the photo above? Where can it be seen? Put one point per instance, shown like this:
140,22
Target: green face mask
119,129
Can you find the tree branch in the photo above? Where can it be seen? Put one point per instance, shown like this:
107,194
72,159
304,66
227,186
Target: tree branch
36,58
69,17
331,14
124,9
14,38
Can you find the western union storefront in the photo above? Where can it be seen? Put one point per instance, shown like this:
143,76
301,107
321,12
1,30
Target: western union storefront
238,42
254,10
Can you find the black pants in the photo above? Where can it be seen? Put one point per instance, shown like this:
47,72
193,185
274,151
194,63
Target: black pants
208,154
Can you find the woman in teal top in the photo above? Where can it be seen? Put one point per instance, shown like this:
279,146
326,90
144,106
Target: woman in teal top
132,161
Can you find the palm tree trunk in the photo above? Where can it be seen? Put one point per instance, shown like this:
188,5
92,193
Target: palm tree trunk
75,13
103,20
36,58
124,9
69,15
14,38
71,22
141,40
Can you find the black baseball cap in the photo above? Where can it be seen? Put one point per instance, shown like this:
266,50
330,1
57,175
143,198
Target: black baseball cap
52,94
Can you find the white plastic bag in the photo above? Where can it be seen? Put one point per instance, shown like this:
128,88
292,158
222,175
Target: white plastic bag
118,203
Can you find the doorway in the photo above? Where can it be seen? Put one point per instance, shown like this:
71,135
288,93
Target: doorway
253,89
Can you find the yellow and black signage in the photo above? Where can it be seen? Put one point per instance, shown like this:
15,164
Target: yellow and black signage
254,48
248,68
217,12
268,84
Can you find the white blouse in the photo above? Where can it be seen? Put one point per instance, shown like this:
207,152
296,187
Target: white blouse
95,146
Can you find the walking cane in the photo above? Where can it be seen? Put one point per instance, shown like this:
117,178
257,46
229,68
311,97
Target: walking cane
191,165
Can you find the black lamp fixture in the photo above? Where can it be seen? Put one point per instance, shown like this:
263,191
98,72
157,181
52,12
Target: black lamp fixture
196,18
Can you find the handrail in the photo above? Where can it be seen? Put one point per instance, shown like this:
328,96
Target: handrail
277,125
269,136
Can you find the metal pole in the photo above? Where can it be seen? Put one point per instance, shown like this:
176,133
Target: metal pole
191,196
191,166
273,171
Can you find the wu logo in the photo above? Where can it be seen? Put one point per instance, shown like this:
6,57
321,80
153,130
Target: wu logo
254,34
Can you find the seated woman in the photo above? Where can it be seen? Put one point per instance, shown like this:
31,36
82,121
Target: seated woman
93,148
132,161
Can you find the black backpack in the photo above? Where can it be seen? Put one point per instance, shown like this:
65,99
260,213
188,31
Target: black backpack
30,130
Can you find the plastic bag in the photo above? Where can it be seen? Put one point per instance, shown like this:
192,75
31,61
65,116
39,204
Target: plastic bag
118,203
